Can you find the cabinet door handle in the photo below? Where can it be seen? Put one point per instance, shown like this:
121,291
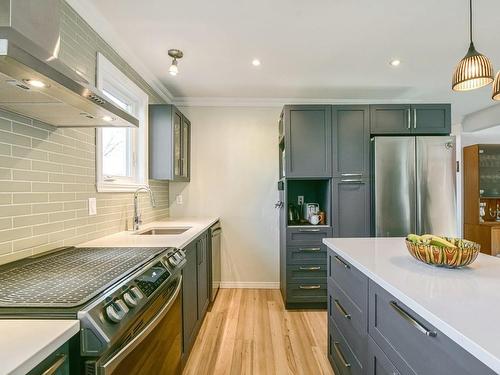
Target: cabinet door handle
60,359
341,309
355,181
350,174
308,230
336,346
340,261
414,118
309,287
309,248
409,118
419,326
309,268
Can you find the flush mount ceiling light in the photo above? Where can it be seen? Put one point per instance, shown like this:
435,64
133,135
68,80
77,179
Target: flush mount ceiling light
474,70
175,54
256,62
35,83
395,62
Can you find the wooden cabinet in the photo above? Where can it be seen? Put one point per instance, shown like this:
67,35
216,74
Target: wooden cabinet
169,143
351,207
482,187
394,119
308,140
351,141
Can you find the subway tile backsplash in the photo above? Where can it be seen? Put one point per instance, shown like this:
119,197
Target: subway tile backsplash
47,174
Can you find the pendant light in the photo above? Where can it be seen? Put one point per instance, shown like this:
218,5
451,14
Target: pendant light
175,54
474,70
496,88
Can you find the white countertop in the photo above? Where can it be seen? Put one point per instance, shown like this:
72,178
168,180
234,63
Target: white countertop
131,239
26,343
462,303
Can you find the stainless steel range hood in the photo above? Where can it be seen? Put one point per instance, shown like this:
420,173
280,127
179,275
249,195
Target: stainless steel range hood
35,83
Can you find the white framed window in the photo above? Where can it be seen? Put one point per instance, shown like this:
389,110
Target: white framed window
121,153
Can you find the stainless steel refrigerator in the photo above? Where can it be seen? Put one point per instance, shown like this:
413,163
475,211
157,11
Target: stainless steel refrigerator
414,186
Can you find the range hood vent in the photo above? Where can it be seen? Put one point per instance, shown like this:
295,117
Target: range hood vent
35,83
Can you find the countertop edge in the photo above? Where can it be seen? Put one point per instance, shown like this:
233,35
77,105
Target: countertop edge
37,357
202,229
463,341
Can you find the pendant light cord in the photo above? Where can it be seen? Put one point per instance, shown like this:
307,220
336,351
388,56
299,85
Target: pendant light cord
470,20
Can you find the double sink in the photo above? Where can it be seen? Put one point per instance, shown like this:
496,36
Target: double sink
162,231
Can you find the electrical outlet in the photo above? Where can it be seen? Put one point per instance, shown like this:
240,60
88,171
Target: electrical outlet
300,200
178,199
92,206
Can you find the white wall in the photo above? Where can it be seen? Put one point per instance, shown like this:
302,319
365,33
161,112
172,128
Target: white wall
234,175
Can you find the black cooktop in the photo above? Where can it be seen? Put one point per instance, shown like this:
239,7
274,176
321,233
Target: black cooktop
69,277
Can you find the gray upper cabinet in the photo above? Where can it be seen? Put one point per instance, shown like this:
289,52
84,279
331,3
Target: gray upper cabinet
308,134
169,143
410,119
351,141
390,119
431,118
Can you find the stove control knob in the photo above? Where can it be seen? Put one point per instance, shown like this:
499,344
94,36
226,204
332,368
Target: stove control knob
129,299
172,261
112,313
136,293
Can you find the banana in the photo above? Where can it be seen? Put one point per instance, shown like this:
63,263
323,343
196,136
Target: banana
441,242
430,239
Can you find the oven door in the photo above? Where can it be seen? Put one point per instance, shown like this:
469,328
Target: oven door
157,348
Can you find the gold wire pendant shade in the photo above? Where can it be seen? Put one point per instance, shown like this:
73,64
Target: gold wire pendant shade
472,72
496,87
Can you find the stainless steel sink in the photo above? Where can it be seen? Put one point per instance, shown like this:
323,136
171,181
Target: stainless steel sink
163,231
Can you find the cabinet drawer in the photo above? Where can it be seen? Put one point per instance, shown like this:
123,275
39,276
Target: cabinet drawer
412,344
314,254
351,281
307,236
378,363
306,292
351,321
341,353
310,273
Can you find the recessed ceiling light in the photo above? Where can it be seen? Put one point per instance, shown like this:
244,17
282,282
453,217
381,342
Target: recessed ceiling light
395,62
256,62
107,118
35,83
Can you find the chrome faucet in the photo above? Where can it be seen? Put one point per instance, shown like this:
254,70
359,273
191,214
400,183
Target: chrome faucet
137,215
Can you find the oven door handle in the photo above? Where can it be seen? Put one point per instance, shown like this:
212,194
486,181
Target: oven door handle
110,365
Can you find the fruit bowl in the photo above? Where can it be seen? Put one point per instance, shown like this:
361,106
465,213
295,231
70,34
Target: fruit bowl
436,252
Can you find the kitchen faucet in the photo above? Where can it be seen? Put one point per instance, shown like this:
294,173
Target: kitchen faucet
137,215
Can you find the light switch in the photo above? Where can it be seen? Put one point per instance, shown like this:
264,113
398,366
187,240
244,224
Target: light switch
92,206
178,199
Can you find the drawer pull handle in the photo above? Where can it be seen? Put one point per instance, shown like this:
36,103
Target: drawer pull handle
309,230
309,268
354,181
310,249
60,359
341,309
336,345
412,320
351,174
309,287
339,260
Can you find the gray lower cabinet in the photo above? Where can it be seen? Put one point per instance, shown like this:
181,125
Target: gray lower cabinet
371,332
351,141
169,143
394,119
308,145
351,207
57,363
195,292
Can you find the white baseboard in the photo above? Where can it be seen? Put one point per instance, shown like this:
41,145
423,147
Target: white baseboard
249,285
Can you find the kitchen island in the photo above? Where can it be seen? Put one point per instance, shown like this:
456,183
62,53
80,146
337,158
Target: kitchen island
403,302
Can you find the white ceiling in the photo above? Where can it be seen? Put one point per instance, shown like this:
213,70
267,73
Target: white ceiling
317,49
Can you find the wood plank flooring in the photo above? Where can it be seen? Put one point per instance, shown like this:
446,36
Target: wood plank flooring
249,332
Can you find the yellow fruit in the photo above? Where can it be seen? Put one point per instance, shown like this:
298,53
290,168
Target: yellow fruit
441,242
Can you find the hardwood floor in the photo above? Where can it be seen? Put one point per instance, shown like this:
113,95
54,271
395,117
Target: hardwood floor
249,332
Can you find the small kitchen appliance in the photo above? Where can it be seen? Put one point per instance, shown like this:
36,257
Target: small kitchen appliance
310,209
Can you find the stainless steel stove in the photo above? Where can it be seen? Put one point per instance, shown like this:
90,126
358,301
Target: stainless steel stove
122,297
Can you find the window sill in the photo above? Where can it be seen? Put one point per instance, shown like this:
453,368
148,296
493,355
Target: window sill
110,187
